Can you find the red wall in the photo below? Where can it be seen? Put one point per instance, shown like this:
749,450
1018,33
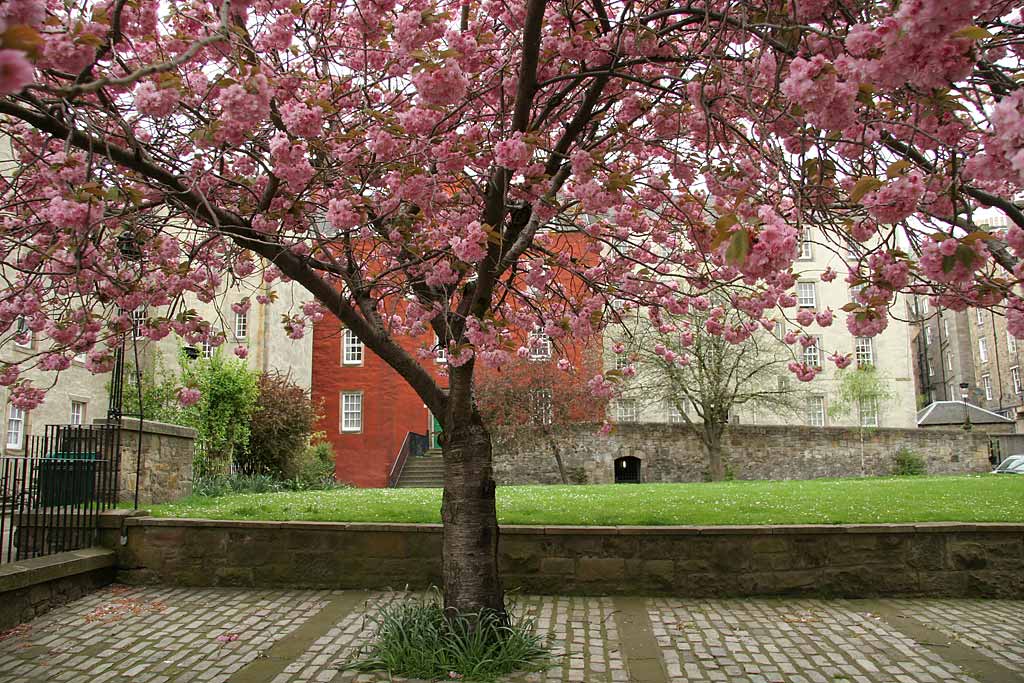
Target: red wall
391,408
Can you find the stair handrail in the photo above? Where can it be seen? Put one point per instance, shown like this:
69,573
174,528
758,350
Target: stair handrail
403,454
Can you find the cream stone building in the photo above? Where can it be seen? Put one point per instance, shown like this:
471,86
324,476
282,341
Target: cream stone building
813,402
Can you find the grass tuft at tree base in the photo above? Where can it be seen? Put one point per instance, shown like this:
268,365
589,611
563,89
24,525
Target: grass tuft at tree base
414,639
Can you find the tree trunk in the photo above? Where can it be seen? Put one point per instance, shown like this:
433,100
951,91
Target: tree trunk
470,553
713,446
556,451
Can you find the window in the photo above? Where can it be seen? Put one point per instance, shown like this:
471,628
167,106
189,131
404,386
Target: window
675,416
626,410
241,325
351,411
351,348
77,412
981,316
540,347
541,407
986,384
22,335
812,353
15,428
138,321
983,350
925,309
816,411
1011,343
949,362
622,361
780,329
951,392
440,352
1015,376
945,328
806,295
927,336
868,413
864,351
806,248
931,369
207,349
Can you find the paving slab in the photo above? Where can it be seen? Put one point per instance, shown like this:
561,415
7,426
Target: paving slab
186,635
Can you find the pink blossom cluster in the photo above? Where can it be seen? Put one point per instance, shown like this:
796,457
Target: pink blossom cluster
896,200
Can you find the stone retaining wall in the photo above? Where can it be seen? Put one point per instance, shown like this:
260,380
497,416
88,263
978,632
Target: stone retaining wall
167,452
846,560
29,588
672,453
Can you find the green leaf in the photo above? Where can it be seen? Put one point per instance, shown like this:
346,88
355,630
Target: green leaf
947,263
863,186
739,248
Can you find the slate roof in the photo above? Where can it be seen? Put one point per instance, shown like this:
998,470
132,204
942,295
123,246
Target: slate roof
952,413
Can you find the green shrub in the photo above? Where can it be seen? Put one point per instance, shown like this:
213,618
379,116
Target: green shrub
908,463
313,468
215,485
414,639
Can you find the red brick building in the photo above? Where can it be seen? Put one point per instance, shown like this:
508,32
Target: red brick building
368,409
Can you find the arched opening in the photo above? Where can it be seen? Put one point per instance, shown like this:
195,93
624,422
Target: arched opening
627,470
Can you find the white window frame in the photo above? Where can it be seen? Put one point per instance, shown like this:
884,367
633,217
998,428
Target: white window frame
983,349
806,246
350,412
945,328
440,352
207,350
925,306
139,316
816,411
78,411
626,410
242,325
931,370
16,418
980,316
802,289
1011,343
986,384
1018,387
864,350
868,410
812,353
21,328
949,361
927,336
542,406
540,347
351,348
622,361
674,415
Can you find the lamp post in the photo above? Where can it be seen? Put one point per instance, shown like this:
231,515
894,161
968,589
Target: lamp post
967,415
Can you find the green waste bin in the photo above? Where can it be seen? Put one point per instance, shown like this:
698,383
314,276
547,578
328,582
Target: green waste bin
67,478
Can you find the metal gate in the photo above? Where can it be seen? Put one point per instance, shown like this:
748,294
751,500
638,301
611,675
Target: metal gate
52,494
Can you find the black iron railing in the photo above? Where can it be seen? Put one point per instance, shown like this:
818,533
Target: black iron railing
414,445
52,494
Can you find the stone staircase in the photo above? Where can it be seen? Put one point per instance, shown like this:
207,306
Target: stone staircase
426,471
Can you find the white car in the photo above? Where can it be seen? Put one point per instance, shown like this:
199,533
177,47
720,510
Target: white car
1014,464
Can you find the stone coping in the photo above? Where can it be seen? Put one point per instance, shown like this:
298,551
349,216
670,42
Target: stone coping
131,424
37,570
512,529
594,427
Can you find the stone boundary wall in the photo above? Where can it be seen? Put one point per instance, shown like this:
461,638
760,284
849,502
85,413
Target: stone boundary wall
844,561
673,453
33,587
167,452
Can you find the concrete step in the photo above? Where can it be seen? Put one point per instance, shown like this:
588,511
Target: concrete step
427,485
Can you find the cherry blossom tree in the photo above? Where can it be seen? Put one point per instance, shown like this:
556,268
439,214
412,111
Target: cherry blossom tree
412,164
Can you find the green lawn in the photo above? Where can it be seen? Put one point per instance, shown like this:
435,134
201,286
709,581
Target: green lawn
978,498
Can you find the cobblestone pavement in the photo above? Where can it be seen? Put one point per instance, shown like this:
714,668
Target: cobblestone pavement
994,629
175,635
154,635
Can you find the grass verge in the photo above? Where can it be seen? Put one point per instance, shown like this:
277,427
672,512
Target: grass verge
975,498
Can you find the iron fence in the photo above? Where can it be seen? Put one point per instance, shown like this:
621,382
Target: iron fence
52,494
